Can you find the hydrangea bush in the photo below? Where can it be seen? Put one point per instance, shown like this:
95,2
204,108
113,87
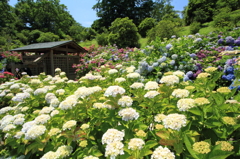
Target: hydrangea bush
98,116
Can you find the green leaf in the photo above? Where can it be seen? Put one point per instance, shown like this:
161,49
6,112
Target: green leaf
189,142
217,153
150,144
196,111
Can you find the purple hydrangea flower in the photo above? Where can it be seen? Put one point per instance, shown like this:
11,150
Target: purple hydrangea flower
189,74
193,55
220,41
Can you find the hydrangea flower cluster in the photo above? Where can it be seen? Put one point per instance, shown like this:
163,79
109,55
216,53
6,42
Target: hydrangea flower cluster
114,91
128,114
185,104
175,121
125,101
136,144
162,152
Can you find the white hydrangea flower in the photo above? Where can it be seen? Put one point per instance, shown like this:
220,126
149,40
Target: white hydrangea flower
19,121
85,126
49,97
54,102
162,152
119,80
151,85
112,71
68,103
64,151
50,155
113,91
34,132
137,85
9,127
114,149
60,91
90,157
169,80
185,104
175,121
5,109
40,91
180,93
136,144
125,101
133,75
19,97
26,126
128,114
54,131
130,69
159,117
19,134
54,112
46,110
151,94
112,135
42,119
69,124
58,70
179,73
98,105
15,86
35,81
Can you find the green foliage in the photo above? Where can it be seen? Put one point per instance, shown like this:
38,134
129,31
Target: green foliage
75,32
222,19
102,39
204,10
161,8
195,27
124,33
47,37
109,10
164,29
88,34
145,26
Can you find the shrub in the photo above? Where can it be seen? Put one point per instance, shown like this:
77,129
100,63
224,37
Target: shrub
102,39
124,33
195,27
146,25
164,29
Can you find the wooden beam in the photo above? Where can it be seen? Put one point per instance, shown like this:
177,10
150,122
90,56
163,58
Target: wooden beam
66,50
52,63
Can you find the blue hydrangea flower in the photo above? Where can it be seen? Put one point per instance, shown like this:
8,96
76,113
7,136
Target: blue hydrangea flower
165,54
229,48
168,46
150,68
193,55
220,41
228,77
162,59
232,86
237,41
229,70
198,40
189,74
229,40
172,62
155,64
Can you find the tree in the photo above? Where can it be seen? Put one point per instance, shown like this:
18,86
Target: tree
164,29
124,33
44,15
161,8
109,10
146,25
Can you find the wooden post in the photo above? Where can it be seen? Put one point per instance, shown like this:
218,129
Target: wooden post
52,63
67,71
13,68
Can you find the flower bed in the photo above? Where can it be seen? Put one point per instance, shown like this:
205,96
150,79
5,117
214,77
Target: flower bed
165,101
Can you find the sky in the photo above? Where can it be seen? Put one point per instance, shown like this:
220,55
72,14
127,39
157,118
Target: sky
82,11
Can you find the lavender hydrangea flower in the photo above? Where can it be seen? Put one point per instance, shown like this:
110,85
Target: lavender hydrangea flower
193,55
169,46
229,40
237,41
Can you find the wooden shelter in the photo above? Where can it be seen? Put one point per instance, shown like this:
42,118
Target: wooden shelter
46,57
